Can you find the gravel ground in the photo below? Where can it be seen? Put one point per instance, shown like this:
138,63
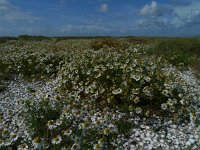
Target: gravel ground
17,89
150,134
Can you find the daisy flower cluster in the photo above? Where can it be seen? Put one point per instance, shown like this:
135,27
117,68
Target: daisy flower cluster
36,58
105,98
126,79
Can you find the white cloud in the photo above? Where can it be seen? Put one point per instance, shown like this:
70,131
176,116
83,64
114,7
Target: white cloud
5,5
83,30
154,23
170,19
187,15
189,11
149,9
104,8
9,12
154,9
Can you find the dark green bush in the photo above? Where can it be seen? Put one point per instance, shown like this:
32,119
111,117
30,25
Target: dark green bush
121,79
98,44
142,40
5,39
190,46
38,117
185,51
32,38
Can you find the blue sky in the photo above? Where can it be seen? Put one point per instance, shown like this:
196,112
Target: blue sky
100,17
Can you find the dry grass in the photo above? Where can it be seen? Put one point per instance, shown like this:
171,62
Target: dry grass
114,43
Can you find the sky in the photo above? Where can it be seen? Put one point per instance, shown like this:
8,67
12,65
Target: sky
100,17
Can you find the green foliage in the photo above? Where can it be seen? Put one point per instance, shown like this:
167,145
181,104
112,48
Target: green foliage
5,39
4,70
112,43
32,38
29,63
31,90
143,40
100,90
37,114
2,88
122,79
179,50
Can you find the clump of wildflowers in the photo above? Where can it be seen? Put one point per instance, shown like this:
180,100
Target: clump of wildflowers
112,98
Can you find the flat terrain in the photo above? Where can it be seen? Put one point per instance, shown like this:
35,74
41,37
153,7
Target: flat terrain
99,93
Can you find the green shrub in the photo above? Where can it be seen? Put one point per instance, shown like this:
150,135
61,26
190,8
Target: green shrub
123,79
30,63
112,43
5,39
2,87
143,40
179,50
32,38
96,99
5,70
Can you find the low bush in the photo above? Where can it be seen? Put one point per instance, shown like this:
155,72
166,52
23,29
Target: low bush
142,40
29,62
6,39
179,50
124,79
114,43
96,99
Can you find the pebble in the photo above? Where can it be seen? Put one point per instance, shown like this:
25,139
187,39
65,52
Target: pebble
170,136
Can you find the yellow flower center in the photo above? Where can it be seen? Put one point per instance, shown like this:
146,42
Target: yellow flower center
23,146
67,131
101,140
51,122
37,140
56,138
14,136
97,146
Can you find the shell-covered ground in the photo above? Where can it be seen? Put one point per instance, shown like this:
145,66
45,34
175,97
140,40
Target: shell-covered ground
84,94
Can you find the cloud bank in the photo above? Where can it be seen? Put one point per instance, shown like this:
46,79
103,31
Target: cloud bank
9,12
100,17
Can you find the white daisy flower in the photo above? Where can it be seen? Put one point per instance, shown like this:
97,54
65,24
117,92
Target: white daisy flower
101,141
135,77
164,106
58,122
37,143
138,110
22,147
13,137
51,124
136,100
56,140
106,131
97,147
146,78
117,91
67,132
